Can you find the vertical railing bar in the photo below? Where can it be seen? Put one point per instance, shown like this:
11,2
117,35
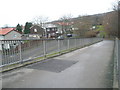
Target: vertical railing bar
44,46
28,44
6,50
15,52
68,44
10,53
20,50
83,42
12,48
58,46
75,43
1,54
80,42
7,45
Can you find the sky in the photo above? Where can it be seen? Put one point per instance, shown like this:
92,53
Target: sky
22,11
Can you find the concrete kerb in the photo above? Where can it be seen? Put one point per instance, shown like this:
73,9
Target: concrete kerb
115,71
43,58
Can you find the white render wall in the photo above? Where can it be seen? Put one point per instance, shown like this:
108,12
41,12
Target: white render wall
1,37
12,35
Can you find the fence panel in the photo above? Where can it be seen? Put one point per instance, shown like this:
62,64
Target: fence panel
63,44
10,52
31,49
72,43
18,51
51,46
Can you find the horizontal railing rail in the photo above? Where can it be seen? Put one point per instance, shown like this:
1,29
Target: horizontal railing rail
20,51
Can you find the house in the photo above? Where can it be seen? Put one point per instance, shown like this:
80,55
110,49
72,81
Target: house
64,28
36,32
9,33
50,30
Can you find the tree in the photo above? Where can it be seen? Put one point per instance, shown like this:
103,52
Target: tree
101,30
27,27
19,28
40,20
66,24
92,33
110,22
82,25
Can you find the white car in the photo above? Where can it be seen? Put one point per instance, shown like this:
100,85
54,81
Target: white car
60,37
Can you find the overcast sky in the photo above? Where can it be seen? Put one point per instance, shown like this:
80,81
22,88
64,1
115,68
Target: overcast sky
21,11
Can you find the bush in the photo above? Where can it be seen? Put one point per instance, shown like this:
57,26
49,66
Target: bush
91,33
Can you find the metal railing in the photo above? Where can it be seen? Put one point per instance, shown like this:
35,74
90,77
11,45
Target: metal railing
19,51
116,67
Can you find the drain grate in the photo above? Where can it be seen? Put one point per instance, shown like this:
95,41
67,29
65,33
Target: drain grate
53,65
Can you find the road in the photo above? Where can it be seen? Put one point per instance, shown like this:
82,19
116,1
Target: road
89,67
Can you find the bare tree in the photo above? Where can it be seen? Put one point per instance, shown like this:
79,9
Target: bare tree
66,18
111,24
66,23
115,5
111,21
40,20
82,25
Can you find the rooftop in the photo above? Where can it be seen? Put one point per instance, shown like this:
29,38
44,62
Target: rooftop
5,31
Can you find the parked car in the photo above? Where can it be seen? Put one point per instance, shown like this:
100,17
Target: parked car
69,35
60,37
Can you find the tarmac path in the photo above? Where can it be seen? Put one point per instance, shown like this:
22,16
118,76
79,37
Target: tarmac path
89,67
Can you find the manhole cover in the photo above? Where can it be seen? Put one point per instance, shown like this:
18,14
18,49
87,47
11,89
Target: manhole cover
53,65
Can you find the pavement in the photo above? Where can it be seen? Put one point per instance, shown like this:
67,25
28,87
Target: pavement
89,67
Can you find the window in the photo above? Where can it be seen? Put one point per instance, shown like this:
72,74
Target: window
15,36
53,29
48,29
35,30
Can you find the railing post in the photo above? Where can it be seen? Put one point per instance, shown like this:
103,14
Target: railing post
116,67
1,64
68,44
1,50
81,42
75,43
44,46
58,46
20,50
117,51
92,40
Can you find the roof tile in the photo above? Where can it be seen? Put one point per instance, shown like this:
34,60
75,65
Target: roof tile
5,31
